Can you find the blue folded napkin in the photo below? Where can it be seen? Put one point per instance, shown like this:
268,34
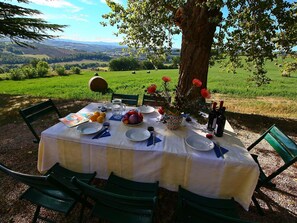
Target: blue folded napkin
150,140
119,118
217,150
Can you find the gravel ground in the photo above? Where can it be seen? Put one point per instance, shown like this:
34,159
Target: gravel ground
19,152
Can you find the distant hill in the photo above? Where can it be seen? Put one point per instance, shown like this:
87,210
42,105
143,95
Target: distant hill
50,51
84,46
62,47
56,51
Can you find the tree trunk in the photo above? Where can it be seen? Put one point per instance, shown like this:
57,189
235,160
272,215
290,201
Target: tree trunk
197,38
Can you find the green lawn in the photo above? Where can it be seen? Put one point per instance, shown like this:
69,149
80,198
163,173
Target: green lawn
76,86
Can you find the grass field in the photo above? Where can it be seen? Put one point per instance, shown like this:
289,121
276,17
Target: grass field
276,99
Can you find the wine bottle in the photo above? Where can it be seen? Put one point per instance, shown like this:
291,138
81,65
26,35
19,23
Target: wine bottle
212,117
221,105
221,121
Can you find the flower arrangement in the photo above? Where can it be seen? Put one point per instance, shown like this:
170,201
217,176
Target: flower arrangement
181,103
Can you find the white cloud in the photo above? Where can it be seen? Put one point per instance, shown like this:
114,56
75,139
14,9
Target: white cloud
76,17
57,4
89,2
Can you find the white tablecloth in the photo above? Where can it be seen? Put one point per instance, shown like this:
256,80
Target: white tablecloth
170,161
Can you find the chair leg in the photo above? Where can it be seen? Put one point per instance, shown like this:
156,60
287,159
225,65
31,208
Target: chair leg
81,215
259,209
36,214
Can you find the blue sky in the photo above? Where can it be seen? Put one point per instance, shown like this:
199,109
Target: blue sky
82,18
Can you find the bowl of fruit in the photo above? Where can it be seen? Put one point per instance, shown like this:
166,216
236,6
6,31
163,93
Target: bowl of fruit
132,118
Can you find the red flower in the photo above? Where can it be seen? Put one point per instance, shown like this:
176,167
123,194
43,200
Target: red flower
205,93
166,79
197,82
152,89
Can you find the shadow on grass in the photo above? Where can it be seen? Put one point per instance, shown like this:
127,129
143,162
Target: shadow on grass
259,123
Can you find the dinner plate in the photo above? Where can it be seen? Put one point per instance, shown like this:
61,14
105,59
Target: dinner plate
145,109
89,128
199,143
138,135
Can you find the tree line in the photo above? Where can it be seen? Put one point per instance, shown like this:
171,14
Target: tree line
9,58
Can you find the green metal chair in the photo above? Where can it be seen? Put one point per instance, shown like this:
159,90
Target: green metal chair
284,146
35,112
127,99
120,185
118,208
153,101
52,191
193,208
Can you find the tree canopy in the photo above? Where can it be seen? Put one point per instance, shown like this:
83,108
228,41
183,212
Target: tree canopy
239,29
16,23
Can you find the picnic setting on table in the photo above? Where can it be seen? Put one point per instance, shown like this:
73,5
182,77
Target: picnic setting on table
135,144
139,148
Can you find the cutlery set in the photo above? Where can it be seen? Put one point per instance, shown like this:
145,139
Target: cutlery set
104,129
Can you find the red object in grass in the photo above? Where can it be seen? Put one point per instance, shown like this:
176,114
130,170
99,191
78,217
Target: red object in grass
209,136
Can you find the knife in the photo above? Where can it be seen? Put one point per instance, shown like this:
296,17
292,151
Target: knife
102,131
220,149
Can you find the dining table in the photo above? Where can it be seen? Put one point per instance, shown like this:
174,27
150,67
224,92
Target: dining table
171,159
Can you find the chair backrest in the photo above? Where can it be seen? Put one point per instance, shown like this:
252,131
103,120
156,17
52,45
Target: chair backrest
118,208
124,186
37,111
282,144
45,184
197,213
187,202
127,99
285,147
153,101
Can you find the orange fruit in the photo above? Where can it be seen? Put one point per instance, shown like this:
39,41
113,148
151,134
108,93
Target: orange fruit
103,114
100,119
97,113
94,118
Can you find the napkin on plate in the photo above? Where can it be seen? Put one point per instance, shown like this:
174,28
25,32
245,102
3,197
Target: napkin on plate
150,140
217,150
116,118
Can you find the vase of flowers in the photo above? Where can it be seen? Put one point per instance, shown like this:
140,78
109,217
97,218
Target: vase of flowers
173,121
172,111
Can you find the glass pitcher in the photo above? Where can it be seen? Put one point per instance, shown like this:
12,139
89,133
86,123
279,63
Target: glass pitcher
117,108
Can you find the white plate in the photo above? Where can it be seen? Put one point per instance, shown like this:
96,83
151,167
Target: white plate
145,109
89,128
138,135
199,143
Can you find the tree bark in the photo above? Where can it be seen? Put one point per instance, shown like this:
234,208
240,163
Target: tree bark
197,38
